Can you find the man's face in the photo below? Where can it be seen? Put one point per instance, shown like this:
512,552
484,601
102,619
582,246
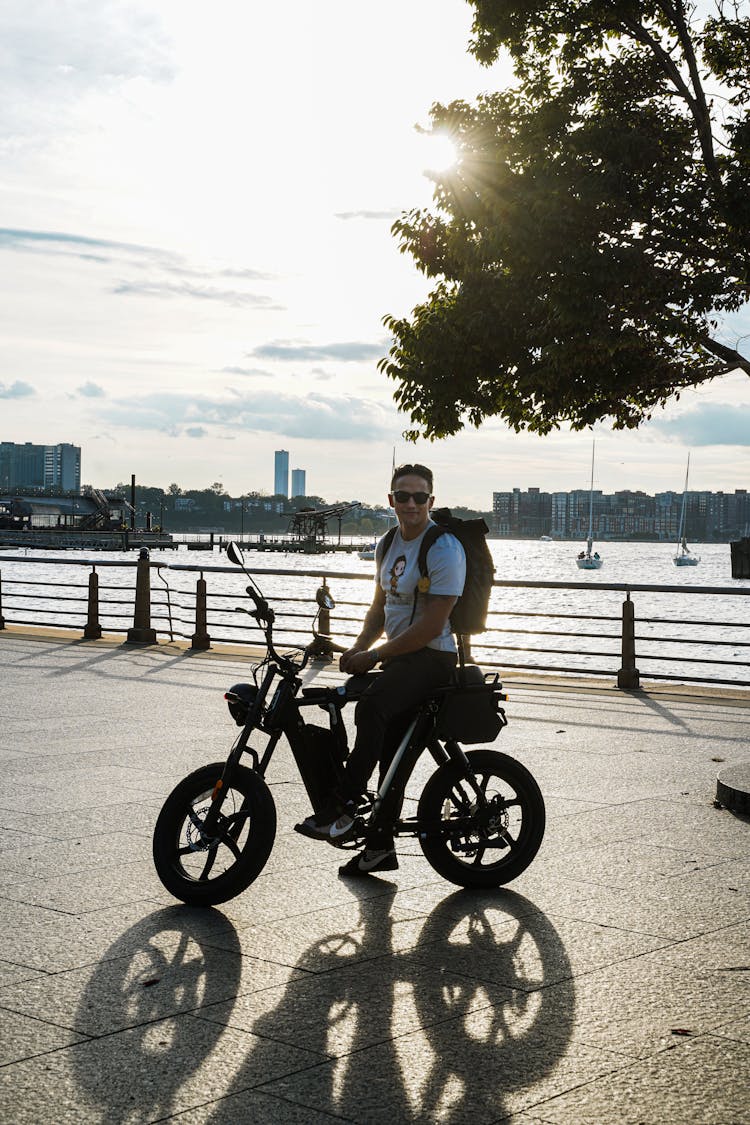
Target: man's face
412,516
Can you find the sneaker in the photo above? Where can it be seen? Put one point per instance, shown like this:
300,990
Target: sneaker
333,825
341,829
370,861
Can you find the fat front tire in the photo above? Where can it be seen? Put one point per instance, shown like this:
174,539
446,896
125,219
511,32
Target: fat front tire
481,843
204,869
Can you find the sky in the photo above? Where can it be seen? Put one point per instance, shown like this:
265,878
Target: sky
196,257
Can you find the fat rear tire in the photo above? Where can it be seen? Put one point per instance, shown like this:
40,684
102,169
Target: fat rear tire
476,849
201,870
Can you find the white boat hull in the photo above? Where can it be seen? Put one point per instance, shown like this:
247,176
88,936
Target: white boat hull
589,564
686,560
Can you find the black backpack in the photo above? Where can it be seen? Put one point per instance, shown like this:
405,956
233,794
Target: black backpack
469,614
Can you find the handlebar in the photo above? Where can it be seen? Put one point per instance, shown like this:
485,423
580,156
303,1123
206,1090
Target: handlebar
265,617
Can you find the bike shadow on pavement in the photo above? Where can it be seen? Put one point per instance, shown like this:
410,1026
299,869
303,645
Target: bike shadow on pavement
404,1017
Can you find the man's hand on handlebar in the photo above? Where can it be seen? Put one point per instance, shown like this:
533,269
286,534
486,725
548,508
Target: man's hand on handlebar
355,661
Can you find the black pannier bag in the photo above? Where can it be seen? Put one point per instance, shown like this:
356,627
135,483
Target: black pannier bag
470,714
321,763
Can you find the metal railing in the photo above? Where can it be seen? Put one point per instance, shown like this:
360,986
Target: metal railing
606,638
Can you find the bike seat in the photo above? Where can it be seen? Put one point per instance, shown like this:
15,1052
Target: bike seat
344,693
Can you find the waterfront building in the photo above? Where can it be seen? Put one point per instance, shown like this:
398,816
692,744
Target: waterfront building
281,473
299,487
26,465
709,516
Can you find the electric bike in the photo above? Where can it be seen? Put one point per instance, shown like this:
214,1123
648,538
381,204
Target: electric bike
479,820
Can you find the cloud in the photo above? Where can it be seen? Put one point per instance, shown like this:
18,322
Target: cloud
169,275
352,351
196,431
90,390
247,372
709,424
200,292
324,417
368,215
18,389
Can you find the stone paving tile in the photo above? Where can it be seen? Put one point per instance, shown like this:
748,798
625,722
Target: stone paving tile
699,1082
50,859
144,1074
737,1029
135,816
666,824
22,1037
616,867
725,951
673,909
79,893
11,973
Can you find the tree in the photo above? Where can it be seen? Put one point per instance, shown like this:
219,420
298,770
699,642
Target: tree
595,229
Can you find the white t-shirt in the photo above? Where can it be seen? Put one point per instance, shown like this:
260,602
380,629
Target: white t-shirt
399,575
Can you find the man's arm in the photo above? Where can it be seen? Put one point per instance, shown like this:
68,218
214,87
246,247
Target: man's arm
372,629
433,620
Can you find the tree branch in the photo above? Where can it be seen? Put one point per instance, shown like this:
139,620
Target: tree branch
732,358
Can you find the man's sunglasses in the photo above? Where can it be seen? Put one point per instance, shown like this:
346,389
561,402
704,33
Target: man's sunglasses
404,497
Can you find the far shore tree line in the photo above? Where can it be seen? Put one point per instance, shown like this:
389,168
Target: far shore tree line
212,508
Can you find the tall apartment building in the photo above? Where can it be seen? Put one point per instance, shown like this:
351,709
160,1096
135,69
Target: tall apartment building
281,473
298,482
40,466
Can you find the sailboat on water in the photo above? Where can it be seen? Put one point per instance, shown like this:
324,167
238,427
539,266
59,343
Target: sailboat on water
590,559
684,556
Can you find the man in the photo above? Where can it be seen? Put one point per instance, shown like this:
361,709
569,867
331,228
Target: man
418,656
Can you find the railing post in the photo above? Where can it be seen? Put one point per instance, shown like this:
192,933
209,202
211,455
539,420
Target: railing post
628,677
201,639
141,632
93,630
2,619
322,647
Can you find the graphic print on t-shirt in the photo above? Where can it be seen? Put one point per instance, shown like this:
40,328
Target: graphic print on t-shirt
398,568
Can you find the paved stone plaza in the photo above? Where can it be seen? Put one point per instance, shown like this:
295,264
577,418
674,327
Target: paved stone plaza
609,983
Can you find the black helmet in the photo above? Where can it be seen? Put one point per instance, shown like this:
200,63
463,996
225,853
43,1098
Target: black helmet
239,699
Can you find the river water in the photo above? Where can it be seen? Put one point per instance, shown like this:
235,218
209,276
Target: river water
680,632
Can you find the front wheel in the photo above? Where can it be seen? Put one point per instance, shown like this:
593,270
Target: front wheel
204,868
487,840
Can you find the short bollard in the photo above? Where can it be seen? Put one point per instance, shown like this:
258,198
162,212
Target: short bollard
141,632
93,630
201,639
628,676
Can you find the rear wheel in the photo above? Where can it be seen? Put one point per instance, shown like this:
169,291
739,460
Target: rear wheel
487,841
204,868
